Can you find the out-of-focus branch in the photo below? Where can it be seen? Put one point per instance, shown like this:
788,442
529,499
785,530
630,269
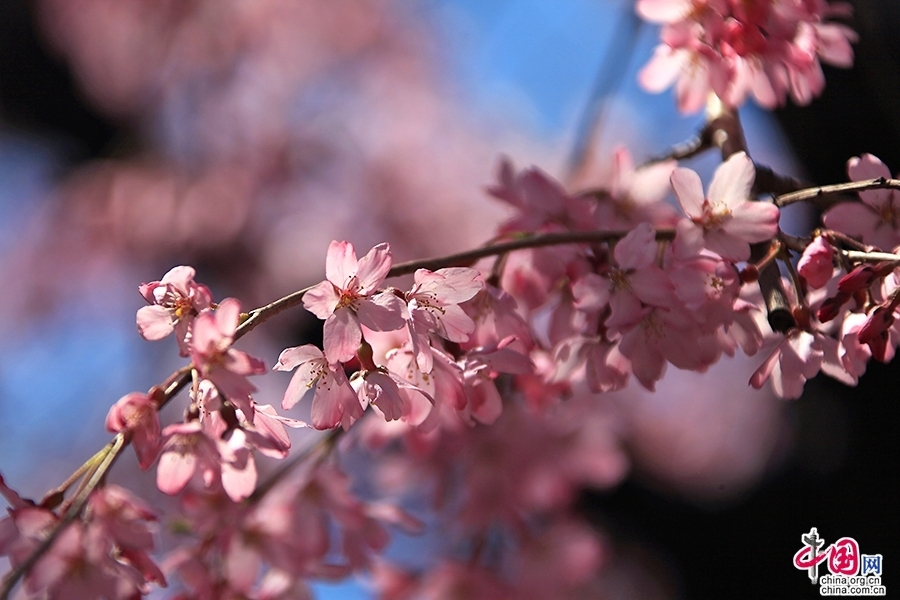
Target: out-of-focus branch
694,146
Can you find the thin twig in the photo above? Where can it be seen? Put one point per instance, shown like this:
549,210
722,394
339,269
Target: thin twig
694,146
857,256
114,448
469,257
815,193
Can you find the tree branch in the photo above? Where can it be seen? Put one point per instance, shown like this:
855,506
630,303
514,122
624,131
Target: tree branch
815,193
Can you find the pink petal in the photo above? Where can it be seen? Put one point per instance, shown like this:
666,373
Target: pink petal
834,44
174,471
455,324
664,11
727,246
290,358
228,315
688,239
732,181
869,166
689,191
342,335
591,293
206,337
382,312
239,483
234,386
154,322
180,278
335,402
382,391
647,363
340,264
853,218
654,287
626,311
753,221
651,183
485,402
373,268
638,249
662,70
321,299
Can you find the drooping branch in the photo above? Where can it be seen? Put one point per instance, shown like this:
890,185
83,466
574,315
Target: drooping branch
459,259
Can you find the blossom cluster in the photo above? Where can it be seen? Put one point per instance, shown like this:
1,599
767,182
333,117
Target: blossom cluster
681,291
105,555
766,49
608,285
452,347
502,345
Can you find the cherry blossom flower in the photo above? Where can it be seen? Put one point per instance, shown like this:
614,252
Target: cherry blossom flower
215,359
103,556
635,195
540,200
795,360
186,450
335,402
725,221
481,366
635,282
817,263
137,414
393,397
174,302
433,305
349,296
875,220
766,49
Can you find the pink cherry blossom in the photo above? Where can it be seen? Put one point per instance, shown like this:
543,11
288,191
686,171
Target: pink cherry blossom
335,402
540,200
817,263
137,414
481,366
635,195
349,296
629,286
186,450
875,220
393,396
766,49
174,302
215,359
796,359
433,305
725,221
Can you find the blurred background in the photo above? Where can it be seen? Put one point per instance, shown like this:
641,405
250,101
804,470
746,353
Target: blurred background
241,137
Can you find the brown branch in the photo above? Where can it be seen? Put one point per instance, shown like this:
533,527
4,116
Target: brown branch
815,193
768,181
694,146
469,257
